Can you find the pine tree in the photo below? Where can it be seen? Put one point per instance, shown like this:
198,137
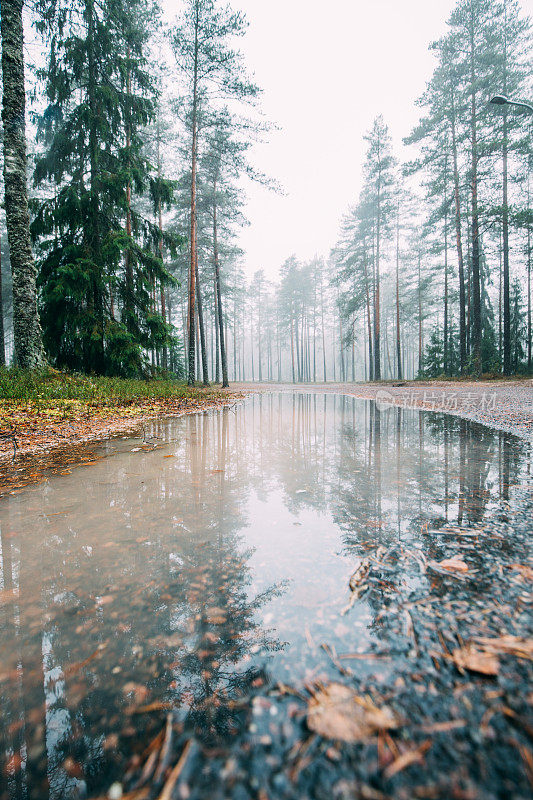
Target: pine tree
209,66
379,179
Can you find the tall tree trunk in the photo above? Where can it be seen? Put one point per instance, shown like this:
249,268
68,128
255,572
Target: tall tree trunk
29,351
96,356
128,309
369,320
203,346
505,233
298,358
353,351
500,303
259,355
529,365
235,335
420,328
193,256
160,230
476,281
398,336
220,316
2,335
377,303
446,299
505,216
341,346
292,350
314,331
216,368
459,243
323,328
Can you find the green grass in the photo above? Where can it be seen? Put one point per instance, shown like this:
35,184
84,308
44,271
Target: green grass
51,385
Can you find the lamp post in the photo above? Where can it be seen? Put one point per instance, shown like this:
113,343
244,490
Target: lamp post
501,100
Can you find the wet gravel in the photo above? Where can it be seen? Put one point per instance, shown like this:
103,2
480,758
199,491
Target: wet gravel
503,405
461,734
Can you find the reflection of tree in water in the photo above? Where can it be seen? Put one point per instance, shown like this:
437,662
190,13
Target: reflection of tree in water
401,471
167,618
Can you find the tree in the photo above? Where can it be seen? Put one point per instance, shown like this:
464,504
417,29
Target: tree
29,352
511,48
222,163
209,66
379,179
100,254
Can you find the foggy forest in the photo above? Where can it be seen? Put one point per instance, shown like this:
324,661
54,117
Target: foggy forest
266,400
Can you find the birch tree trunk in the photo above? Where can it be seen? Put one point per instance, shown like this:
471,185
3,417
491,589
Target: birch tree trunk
29,351
2,335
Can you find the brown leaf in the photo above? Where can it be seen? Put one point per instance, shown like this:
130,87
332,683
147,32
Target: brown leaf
455,564
475,660
525,571
408,758
513,645
336,712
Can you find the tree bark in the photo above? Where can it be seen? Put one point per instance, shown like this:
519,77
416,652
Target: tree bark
398,339
377,302
95,355
220,316
193,265
323,328
203,347
2,335
160,229
459,242
420,328
446,323
476,283
505,236
29,351
369,320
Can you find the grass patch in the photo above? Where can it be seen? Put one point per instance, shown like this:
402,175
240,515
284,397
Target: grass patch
49,386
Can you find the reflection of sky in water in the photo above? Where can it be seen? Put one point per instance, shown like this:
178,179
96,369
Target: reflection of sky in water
165,576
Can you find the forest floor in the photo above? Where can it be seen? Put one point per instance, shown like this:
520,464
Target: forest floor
52,420
505,405
446,710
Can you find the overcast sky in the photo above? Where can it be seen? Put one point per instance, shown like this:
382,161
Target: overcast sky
327,69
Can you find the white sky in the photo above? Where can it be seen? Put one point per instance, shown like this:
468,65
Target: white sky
327,68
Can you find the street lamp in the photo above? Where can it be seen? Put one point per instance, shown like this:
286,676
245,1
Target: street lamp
501,100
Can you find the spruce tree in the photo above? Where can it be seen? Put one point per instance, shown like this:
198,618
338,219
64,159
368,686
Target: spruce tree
100,256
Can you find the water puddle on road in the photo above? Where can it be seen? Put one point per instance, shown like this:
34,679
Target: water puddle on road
217,564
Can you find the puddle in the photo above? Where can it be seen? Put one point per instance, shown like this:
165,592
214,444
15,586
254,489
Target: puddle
178,577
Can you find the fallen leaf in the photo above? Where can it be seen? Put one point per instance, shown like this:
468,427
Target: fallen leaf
513,645
408,758
455,563
524,570
476,660
336,712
